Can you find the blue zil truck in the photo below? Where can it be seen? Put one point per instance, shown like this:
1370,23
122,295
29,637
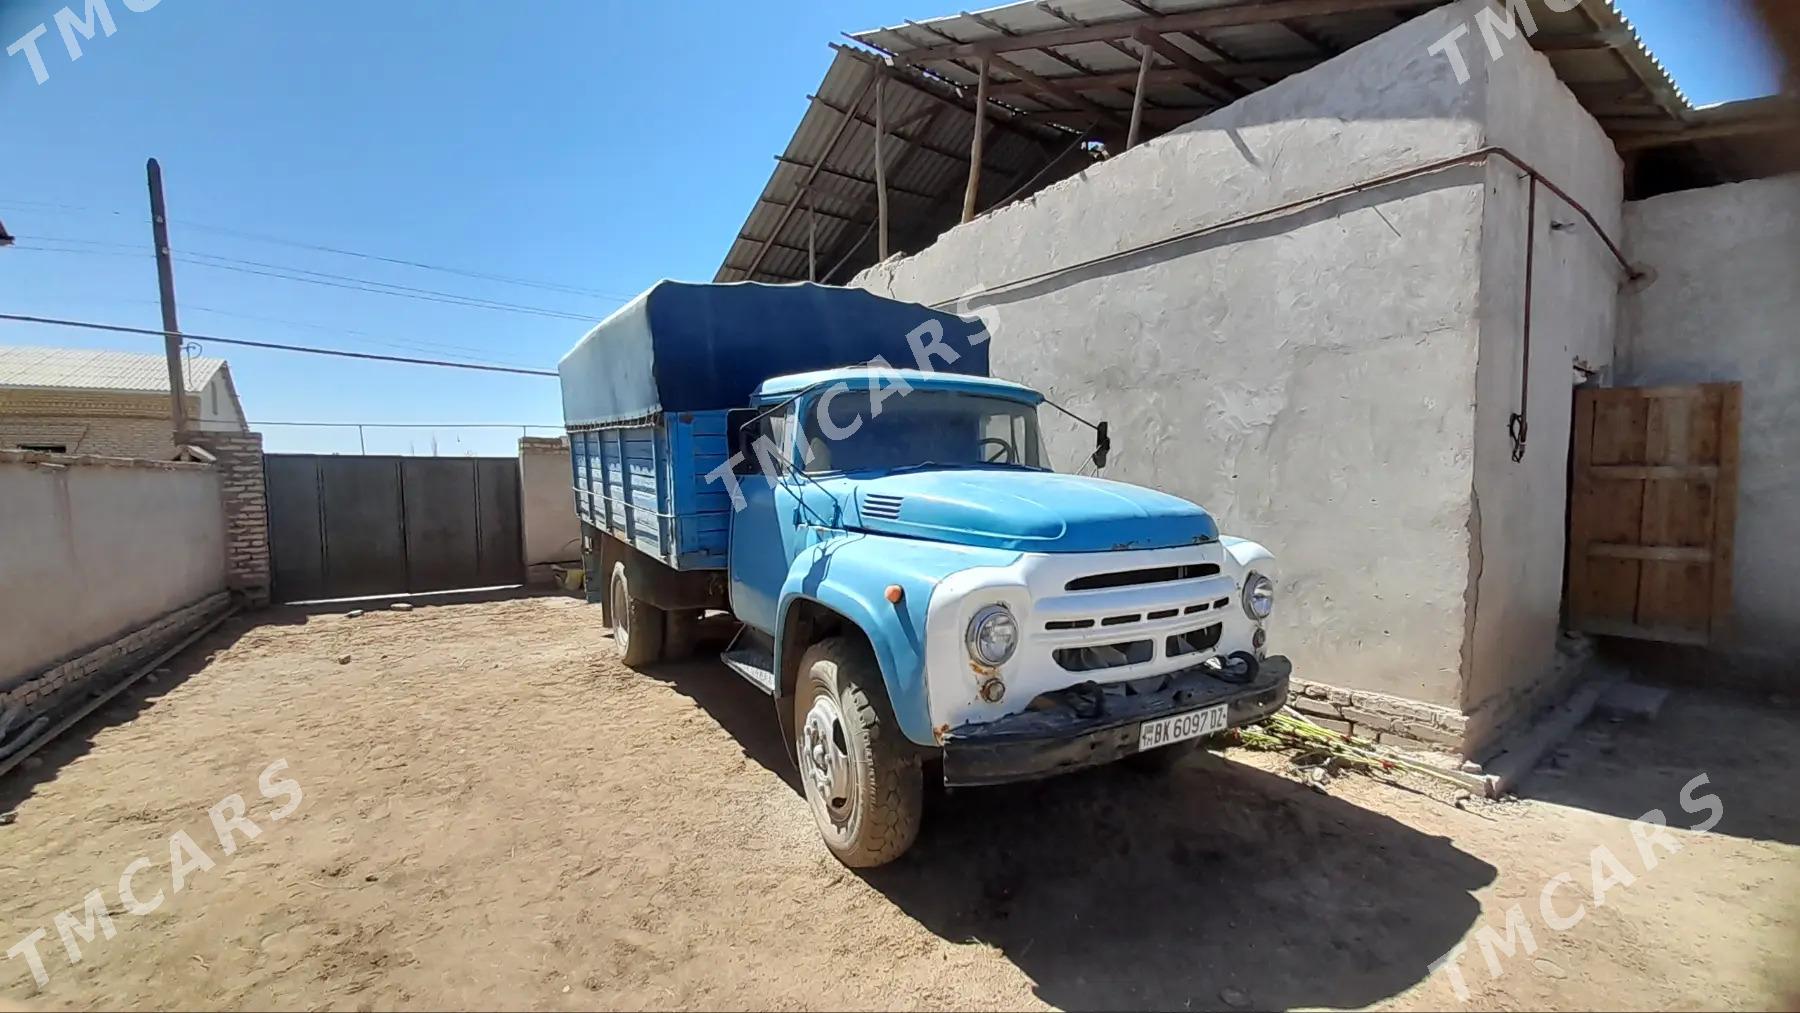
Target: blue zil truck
919,593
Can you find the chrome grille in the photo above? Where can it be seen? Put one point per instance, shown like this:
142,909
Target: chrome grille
1064,625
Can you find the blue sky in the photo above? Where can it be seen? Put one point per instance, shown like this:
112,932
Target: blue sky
596,146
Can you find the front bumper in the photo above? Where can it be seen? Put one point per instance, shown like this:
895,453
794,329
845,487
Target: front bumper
1064,736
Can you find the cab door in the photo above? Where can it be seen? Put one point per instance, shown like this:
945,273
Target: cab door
767,533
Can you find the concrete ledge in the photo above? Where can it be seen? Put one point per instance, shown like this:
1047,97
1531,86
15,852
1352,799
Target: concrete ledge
25,698
1520,752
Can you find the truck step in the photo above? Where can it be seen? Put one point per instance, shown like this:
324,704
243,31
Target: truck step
754,664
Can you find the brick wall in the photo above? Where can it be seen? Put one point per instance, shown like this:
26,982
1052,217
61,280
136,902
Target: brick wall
1379,717
96,423
239,460
28,705
100,436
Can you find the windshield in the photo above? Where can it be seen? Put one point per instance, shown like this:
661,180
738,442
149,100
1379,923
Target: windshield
919,428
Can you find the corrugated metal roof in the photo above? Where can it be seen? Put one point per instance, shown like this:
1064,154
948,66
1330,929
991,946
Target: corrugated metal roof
95,369
828,169
1059,69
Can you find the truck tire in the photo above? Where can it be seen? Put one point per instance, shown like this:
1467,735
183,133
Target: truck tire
681,630
861,776
637,624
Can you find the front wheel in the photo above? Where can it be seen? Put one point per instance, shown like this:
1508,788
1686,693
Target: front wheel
637,624
862,778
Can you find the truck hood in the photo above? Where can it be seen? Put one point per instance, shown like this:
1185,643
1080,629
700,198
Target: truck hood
1030,511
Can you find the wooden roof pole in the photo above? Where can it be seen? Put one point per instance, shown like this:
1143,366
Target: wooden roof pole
1136,132
981,104
881,194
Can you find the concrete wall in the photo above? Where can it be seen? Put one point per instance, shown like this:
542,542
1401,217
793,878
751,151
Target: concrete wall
91,548
552,532
1724,304
1520,507
1310,378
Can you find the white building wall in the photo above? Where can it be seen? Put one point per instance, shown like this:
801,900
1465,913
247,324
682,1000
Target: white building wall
1723,304
1521,507
1310,378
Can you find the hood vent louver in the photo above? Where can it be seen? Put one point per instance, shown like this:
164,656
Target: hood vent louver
882,507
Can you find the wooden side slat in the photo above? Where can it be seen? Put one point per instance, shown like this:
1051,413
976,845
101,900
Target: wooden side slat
1652,553
1653,473
1725,496
1581,569
1619,431
1615,510
1638,631
1675,582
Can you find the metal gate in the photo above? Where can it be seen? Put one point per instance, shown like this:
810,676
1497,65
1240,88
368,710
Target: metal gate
343,527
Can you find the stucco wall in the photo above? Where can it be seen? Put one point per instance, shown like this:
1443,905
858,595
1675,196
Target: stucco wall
1521,507
1310,378
552,532
1724,304
91,548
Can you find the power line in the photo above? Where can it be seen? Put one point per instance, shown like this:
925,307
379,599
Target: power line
31,247
76,241
328,280
370,285
157,333
341,252
476,354
420,265
409,425
473,354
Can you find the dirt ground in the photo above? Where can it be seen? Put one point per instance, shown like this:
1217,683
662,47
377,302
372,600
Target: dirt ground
495,813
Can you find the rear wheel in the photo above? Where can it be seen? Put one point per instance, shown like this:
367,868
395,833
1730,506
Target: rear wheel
637,625
861,776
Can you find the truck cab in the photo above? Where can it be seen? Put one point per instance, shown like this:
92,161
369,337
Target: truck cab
918,591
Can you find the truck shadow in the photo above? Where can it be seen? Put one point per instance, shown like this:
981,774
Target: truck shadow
1217,884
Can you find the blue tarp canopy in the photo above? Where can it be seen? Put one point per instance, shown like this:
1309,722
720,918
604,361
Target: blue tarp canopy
692,347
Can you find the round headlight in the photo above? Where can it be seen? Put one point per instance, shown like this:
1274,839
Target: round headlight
1259,596
993,635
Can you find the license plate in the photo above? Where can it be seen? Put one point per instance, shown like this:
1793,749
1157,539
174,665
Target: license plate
1181,727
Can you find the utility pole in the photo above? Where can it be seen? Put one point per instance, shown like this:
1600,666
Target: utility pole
165,281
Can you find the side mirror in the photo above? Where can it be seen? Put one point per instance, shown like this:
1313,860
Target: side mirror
739,438
1102,445
742,427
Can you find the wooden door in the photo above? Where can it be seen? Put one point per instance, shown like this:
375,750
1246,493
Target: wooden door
1653,510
